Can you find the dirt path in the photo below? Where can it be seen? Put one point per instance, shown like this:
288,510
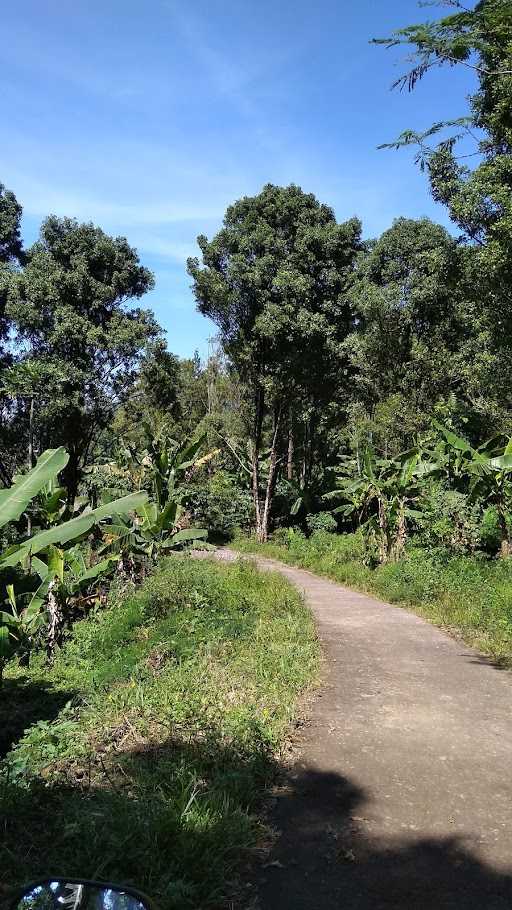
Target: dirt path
401,796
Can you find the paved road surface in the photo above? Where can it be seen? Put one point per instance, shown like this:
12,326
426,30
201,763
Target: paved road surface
401,795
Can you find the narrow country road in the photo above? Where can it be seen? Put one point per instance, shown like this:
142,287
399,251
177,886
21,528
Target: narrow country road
401,794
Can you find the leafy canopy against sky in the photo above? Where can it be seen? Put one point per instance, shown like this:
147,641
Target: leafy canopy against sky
149,119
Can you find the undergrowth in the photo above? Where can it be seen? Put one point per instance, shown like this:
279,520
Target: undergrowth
471,595
154,734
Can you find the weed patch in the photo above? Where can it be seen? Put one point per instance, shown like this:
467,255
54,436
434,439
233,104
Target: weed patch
178,699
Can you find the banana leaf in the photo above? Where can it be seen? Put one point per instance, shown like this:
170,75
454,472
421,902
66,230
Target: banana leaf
184,536
71,530
15,499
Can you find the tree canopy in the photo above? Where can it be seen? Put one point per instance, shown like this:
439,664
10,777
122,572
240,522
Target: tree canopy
80,340
275,281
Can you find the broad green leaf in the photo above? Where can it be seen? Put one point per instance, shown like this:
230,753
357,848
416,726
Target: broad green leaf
425,468
6,646
456,442
185,458
73,529
100,568
408,469
167,518
148,512
344,510
8,619
11,597
56,563
368,464
37,600
39,566
15,499
185,535
501,463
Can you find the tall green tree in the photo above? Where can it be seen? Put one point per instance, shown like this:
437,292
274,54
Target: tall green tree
469,165
11,256
70,308
479,198
275,281
406,348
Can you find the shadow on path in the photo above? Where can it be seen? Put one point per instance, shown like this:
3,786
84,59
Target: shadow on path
324,858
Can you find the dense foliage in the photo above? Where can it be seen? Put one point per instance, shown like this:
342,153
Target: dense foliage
274,280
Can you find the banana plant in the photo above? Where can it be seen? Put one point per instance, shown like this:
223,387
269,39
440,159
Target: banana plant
153,533
19,626
73,529
383,494
488,471
51,504
23,617
156,528
14,500
167,464
64,576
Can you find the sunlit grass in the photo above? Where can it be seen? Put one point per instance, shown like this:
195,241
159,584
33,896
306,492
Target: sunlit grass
180,698
470,595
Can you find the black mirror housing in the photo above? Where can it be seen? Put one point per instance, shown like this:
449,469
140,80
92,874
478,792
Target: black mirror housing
79,894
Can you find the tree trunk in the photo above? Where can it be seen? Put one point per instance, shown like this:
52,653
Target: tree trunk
401,534
5,476
304,462
70,477
384,534
55,622
256,490
505,548
259,403
289,461
263,530
31,435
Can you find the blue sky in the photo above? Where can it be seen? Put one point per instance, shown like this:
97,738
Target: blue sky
149,118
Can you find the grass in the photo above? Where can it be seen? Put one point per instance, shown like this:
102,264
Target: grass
153,736
469,595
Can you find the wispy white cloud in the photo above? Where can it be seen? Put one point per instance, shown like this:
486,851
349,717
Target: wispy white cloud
24,48
162,247
40,199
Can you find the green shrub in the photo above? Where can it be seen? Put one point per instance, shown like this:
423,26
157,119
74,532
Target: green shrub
220,505
448,519
490,532
322,521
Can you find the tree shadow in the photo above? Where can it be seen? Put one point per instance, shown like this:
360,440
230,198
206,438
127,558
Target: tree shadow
497,663
324,857
176,819
23,702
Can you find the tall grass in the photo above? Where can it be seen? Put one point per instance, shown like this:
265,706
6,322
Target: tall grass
471,595
179,698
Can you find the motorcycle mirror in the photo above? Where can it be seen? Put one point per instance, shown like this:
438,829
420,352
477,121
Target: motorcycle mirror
79,894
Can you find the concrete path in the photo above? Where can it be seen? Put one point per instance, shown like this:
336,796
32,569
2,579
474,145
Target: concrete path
401,794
